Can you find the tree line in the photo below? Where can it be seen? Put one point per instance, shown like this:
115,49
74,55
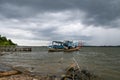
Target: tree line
5,42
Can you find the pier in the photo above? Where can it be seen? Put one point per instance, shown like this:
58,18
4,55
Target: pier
15,49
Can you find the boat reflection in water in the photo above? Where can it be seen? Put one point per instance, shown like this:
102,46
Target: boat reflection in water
64,46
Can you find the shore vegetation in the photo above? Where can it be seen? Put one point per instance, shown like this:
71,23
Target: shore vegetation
6,42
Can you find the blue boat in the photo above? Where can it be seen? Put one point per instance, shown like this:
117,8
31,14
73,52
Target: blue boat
64,46
56,46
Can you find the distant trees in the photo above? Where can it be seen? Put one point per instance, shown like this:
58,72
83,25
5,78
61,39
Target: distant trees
4,41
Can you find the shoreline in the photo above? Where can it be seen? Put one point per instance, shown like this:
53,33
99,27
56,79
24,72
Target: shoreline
8,72
20,73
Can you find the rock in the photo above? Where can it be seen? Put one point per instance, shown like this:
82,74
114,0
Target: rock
7,70
8,73
73,73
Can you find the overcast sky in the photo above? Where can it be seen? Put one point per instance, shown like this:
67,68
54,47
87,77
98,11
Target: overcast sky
30,22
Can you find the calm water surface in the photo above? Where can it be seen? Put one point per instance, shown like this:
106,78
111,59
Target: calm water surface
103,61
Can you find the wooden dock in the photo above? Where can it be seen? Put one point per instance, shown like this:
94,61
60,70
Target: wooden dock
15,49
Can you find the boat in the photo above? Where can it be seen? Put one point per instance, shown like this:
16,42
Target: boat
66,46
56,46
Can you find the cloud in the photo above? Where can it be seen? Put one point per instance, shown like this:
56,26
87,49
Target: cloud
102,36
34,20
98,12
43,27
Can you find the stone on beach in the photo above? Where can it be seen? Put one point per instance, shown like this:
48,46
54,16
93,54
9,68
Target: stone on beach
7,70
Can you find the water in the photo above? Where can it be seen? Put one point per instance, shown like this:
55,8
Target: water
102,61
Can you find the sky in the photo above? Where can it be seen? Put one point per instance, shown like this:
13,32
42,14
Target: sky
36,22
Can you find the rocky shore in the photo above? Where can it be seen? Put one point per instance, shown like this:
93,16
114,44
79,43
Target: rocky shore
18,77
27,77
8,72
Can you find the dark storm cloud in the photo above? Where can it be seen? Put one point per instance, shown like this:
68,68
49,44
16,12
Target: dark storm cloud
28,8
98,12
103,12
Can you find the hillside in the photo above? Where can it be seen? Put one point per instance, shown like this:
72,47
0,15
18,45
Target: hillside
5,42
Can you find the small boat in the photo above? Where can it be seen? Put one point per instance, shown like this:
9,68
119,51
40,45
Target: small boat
66,46
56,46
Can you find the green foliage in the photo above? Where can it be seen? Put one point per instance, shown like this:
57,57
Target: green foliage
5,42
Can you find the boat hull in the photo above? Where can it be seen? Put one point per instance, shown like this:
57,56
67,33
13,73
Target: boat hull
72,49
55,50
65,50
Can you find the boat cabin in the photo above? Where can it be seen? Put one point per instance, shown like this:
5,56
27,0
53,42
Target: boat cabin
57,45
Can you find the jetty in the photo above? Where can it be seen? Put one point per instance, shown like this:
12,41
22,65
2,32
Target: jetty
14,49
